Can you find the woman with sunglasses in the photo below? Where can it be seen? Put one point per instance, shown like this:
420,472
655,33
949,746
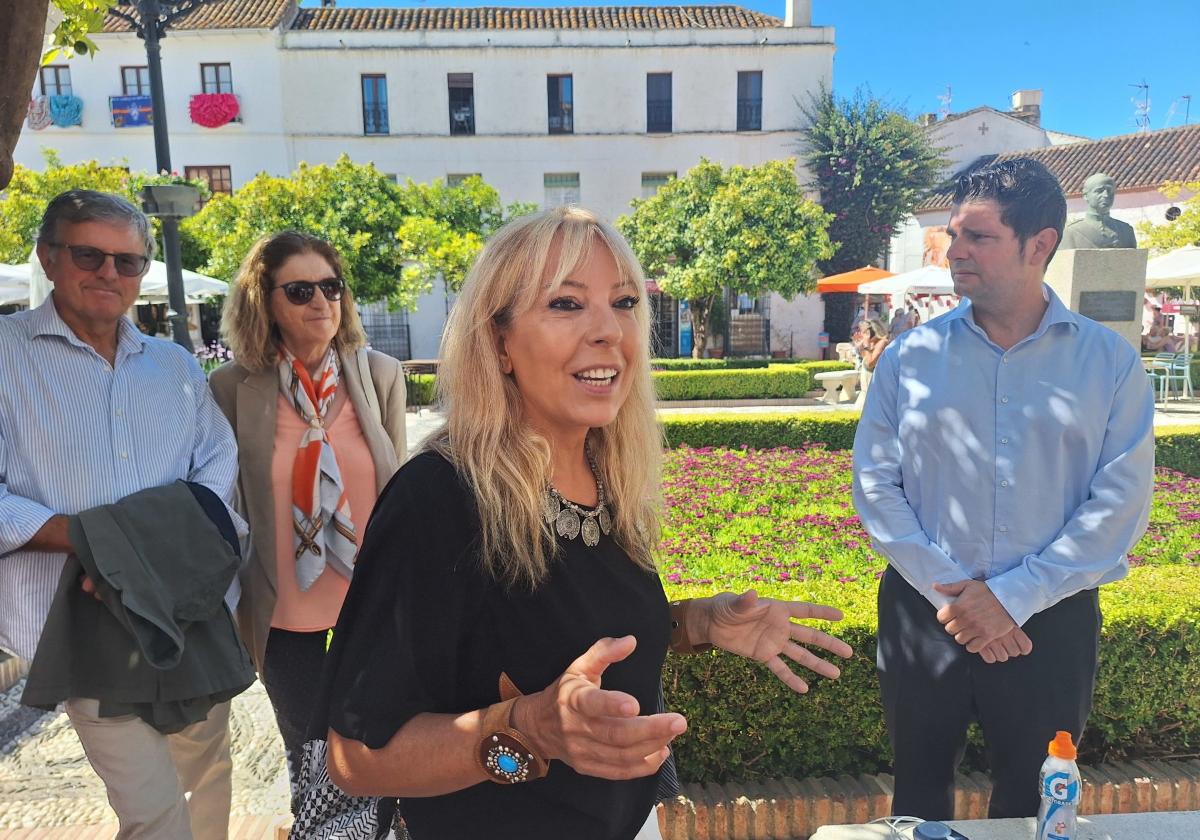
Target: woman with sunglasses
320,430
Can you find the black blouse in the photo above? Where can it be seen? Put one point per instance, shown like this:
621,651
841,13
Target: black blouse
425,629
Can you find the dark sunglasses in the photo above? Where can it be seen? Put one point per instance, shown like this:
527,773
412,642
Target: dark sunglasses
301,292
87,258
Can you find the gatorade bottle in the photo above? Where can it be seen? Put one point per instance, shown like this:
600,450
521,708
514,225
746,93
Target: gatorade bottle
1059,786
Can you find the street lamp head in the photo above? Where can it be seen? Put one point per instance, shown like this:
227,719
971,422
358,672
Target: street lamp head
176,201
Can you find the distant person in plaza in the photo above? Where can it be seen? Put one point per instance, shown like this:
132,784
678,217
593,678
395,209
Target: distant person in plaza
1097,228
497,664
1160,340
1003,464
92,412
870,339
319,421
899,323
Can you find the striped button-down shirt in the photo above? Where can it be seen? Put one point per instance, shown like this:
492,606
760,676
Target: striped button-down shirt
76,432
1029,468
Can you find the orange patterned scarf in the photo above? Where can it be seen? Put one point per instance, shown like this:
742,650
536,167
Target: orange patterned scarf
320,509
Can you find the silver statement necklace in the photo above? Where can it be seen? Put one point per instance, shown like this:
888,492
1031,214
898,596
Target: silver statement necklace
570,520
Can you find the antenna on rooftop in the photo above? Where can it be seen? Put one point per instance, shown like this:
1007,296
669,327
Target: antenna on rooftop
1141,108
945,99
1187,107
1170,113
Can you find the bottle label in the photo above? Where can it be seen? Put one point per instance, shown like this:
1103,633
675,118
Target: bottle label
1060,787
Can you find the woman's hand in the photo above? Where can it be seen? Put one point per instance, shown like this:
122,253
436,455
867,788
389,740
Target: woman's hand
595,731
762,629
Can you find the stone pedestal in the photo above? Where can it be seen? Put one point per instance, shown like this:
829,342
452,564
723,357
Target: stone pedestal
1105,284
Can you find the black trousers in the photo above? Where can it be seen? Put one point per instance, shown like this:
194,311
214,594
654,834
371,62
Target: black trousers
291,675
933,689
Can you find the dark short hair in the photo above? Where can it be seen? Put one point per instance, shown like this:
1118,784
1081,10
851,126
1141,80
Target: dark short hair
78,206
1030,197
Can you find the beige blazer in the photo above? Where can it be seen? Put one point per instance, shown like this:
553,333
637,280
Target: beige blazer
249,399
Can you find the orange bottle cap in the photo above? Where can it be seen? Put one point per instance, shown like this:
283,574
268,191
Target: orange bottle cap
1062,746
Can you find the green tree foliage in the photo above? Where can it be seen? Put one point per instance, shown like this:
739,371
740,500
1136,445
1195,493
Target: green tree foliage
394,239
25,200
871,165
78,19
448,225
1184,230
746,228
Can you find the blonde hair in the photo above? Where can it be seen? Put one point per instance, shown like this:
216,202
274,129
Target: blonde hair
246,324
486,436
876,328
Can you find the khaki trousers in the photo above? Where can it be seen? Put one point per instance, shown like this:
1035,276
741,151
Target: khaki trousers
147,774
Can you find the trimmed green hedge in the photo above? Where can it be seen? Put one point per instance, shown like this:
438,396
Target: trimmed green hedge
1177,447
420,388
775,382
732,384
744,724
761,431
703,379
708,364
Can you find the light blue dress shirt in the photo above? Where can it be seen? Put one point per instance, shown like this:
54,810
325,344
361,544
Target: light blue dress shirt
1030,469
76,432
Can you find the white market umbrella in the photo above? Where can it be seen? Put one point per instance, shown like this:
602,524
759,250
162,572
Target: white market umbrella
13,293
18,274
31,280
928,279
1180,267
39,283
196,286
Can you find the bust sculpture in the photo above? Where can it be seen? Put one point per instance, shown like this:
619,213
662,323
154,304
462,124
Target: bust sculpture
1097,228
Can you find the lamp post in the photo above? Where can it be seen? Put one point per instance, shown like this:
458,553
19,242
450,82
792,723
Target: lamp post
151,22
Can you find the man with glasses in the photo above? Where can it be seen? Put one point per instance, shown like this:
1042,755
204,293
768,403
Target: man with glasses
92,411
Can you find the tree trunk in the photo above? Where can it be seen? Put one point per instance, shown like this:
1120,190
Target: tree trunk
700,309
22,26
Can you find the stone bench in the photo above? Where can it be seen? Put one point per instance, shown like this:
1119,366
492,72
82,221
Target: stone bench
847,380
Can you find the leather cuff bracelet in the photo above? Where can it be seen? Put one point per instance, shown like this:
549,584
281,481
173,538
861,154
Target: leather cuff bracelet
503,752
680,643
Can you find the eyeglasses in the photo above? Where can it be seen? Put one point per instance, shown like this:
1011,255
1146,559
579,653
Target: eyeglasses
87,258
301,292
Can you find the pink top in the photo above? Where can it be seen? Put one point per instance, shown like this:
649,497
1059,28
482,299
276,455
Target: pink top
318,608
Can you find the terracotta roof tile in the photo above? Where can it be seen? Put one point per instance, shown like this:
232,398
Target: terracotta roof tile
1135,161
220,14
591,17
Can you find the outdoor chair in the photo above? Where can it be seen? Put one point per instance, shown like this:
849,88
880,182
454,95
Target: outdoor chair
1178,374
1158,369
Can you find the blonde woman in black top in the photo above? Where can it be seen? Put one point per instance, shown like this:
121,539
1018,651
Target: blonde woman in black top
500,651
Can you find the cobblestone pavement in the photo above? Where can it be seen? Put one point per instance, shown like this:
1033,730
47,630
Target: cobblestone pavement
46,781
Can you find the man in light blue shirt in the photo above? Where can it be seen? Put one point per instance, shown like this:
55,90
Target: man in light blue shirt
91,411
1003,464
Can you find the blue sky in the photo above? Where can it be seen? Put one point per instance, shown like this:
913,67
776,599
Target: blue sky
909,52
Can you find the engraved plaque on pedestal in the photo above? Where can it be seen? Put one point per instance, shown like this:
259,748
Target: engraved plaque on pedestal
1104,284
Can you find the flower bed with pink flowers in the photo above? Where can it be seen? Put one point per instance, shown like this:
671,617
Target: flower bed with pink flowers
742,517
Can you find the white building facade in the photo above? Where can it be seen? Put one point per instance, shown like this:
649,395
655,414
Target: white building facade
595,106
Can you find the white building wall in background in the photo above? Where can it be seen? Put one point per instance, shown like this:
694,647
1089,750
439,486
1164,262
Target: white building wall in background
255,144
301,101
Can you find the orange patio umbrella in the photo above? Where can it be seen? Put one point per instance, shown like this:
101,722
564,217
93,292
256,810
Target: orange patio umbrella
849,281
